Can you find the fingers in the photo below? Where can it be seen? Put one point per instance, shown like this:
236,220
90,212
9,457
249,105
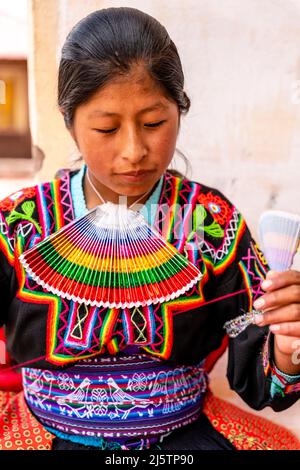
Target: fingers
288,313
280,304
277,280
283,295
283,321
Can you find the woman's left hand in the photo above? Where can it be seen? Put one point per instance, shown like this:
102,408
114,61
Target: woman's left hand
281,310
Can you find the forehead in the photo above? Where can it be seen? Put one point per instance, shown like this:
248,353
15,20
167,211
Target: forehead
136,91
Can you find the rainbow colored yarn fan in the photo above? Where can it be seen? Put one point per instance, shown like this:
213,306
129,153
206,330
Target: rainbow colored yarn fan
110,257
279,234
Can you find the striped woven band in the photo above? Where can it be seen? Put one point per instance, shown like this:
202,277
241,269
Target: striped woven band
116,397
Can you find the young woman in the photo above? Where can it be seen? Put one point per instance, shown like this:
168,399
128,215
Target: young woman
136,378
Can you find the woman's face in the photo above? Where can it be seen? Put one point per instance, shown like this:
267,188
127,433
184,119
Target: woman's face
127,135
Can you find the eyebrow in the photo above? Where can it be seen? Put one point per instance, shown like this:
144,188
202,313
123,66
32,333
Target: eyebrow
99,112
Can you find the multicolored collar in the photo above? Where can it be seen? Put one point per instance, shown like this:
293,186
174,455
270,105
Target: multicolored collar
74,333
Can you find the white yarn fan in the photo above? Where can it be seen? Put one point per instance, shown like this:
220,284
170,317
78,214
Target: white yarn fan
279,236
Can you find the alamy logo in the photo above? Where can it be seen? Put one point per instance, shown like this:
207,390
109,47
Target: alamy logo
2,92
296,353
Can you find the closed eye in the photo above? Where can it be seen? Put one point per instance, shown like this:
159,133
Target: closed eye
155,124
110,131
105,131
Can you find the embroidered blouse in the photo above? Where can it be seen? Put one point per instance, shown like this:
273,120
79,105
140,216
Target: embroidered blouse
205,227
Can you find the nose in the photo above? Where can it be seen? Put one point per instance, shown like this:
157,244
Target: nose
132,145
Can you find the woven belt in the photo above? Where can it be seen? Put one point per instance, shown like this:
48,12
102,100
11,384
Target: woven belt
123,397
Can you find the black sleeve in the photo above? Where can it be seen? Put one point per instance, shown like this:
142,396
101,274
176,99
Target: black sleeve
251,371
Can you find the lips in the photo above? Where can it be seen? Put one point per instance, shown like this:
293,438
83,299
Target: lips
135,173
135,177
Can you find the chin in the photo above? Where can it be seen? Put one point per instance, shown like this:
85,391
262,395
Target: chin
134,189
133,193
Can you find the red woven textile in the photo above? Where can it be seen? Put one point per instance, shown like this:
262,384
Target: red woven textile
247,431
19,430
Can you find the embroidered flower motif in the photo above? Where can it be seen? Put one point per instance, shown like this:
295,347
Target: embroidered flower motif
217,206
10,202
100,408
28,208
200,227
99,395
7,205
138,382
65,382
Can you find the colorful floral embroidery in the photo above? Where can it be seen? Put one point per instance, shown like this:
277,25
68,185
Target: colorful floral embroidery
217,206
74,333
28,208
12,201
199,227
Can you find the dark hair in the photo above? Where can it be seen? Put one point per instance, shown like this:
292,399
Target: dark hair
106,44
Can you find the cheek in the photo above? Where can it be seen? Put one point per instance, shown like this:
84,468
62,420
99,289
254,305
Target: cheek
93,148
165,145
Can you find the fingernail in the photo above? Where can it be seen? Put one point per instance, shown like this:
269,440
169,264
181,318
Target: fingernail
274,327
266,284
259,303
258,318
